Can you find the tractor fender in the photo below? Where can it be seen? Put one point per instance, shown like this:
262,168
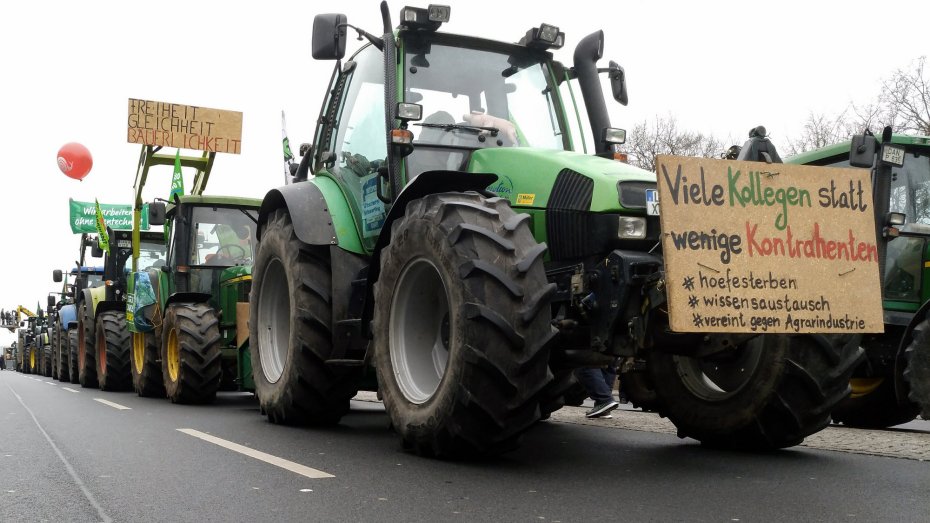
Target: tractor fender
66,316
429,182
319,211
97,294
900,386
110,305
187,297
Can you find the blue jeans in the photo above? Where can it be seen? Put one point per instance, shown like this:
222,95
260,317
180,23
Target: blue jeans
598,383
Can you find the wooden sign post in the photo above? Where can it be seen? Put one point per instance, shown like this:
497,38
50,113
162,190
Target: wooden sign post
775,248
184,126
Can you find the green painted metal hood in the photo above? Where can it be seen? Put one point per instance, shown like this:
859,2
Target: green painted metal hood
527,175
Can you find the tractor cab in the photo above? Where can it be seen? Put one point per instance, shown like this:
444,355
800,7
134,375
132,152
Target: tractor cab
210,239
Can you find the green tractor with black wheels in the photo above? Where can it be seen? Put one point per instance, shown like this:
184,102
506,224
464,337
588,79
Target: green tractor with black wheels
465,269
892,385
188,314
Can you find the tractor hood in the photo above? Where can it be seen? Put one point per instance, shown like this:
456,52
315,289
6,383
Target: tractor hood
528,178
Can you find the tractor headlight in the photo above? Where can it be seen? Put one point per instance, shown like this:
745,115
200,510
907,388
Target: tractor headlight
631,228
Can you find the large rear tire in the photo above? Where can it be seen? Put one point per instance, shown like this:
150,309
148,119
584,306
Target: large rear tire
917,371
86,349
112,340
877,408
772,392
73,371
290,331
638,387
147,379
462,326
190,353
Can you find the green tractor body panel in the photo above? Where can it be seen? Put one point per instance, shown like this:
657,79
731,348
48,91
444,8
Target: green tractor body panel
345,220
235,284
531,173
97,295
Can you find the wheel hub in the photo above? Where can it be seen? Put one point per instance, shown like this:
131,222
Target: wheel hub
716,379
174,355
138,351
274,321
419,331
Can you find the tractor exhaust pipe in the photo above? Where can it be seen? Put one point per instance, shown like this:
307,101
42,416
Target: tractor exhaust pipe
589,50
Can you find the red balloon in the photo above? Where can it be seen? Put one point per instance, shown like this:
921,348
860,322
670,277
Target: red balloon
74,160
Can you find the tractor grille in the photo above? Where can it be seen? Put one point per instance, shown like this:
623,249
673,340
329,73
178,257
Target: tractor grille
633,194
567,217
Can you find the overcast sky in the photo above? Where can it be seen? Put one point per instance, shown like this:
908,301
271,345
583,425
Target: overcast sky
68,69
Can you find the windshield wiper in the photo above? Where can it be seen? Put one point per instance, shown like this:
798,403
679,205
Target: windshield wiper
463,127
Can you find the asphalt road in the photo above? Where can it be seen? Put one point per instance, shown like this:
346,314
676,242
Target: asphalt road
66,456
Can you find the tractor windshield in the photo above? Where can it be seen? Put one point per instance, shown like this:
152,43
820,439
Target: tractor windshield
910,185
222,236
477,98
151,254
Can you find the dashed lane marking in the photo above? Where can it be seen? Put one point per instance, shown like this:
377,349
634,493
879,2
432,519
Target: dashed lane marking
111,404
71,390
296,468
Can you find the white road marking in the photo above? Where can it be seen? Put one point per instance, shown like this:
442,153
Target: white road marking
111,404
296,468
77,480
50,382
71,390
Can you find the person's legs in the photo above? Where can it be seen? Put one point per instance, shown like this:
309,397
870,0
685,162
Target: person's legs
593,382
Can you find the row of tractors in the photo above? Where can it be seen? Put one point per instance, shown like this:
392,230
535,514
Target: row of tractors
463,272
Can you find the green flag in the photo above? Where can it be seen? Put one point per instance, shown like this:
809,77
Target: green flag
177,181
102,238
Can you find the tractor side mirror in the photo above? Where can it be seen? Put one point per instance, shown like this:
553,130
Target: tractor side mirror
329,37
862,150
156,213
618,83
56,276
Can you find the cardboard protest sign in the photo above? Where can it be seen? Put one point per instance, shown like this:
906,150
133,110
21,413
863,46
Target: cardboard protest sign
184,126
774,248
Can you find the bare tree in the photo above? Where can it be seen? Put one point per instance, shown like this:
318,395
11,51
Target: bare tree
821,130
646,141
905,99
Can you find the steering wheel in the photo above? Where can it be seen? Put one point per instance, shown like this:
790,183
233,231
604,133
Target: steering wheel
229,248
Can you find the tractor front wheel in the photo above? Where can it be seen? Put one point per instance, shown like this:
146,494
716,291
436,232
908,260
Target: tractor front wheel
873,405
290,331
462,326
770,392
190,353
72,350
146,367
917,371
112,340
86,349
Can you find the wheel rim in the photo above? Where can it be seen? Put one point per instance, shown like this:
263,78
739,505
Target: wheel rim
174,355
32,360
720,378
80,347
274,321
419,331
138,351
102,356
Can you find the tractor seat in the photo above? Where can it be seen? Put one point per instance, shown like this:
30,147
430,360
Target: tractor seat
759,148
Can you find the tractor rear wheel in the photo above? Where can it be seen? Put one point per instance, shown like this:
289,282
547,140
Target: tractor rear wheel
917,371
638,387
86,349
61,347
771,392
290,331
73,371
112,339
873,405
190,353
146,367
462,326
53,340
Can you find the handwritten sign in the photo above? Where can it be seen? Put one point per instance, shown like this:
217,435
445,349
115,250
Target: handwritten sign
772,248
184,126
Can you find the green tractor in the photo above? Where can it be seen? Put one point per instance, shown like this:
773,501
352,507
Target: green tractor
106,339
188,315
472,259
892,385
